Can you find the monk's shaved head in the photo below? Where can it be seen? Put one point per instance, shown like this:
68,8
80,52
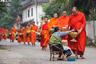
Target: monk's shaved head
55,15
46,19
64,13
74,10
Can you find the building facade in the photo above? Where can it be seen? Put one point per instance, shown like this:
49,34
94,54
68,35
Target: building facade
32,10
5,0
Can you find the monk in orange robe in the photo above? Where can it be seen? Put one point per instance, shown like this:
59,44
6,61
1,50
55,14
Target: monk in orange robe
24,34
20,36
34,29
28,36
78,23
53,21
45,35
5,33
14,29
63,21
13,32
1,32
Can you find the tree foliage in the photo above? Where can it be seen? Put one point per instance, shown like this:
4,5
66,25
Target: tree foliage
11,14
87,6
57,6
2,9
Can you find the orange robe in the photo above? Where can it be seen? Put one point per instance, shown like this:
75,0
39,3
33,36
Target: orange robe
76,22
12,37
52,23
28,36
14,29
24,35
13,32
45,35
63,21
33,34
5,33
20,36
1,32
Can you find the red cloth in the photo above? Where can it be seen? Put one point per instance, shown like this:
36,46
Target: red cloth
76,22
52,23
1,32
13,31
33,34
28,37
12,36
5,34
24,35
63,21
19,37
45,35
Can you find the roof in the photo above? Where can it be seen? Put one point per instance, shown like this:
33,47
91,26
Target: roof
26,3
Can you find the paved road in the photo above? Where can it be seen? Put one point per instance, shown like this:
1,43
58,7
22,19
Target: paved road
24,54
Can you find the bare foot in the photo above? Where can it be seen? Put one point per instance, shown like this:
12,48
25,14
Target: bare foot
76,57
82,57
59,58
64,57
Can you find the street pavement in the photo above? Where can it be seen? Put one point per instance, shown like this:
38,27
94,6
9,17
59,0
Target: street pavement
18,53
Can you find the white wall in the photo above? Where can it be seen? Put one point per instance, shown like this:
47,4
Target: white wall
89,29
5,0
40,13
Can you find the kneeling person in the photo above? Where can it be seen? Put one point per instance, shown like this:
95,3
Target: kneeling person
57,41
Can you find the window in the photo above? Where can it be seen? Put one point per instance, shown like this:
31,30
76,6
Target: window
31,11
28,13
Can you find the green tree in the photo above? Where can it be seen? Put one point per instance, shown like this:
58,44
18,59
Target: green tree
2,9
9,18
15,8
87,6
57,6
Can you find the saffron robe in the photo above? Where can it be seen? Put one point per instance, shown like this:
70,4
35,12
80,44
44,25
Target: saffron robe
63,21
76,22
33,34
52,23
45,35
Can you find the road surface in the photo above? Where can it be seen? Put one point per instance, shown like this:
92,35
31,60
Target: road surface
15,53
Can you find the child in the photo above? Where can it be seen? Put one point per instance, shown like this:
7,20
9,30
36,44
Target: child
67,50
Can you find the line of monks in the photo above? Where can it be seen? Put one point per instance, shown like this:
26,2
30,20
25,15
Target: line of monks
24,34
3,33
75,21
